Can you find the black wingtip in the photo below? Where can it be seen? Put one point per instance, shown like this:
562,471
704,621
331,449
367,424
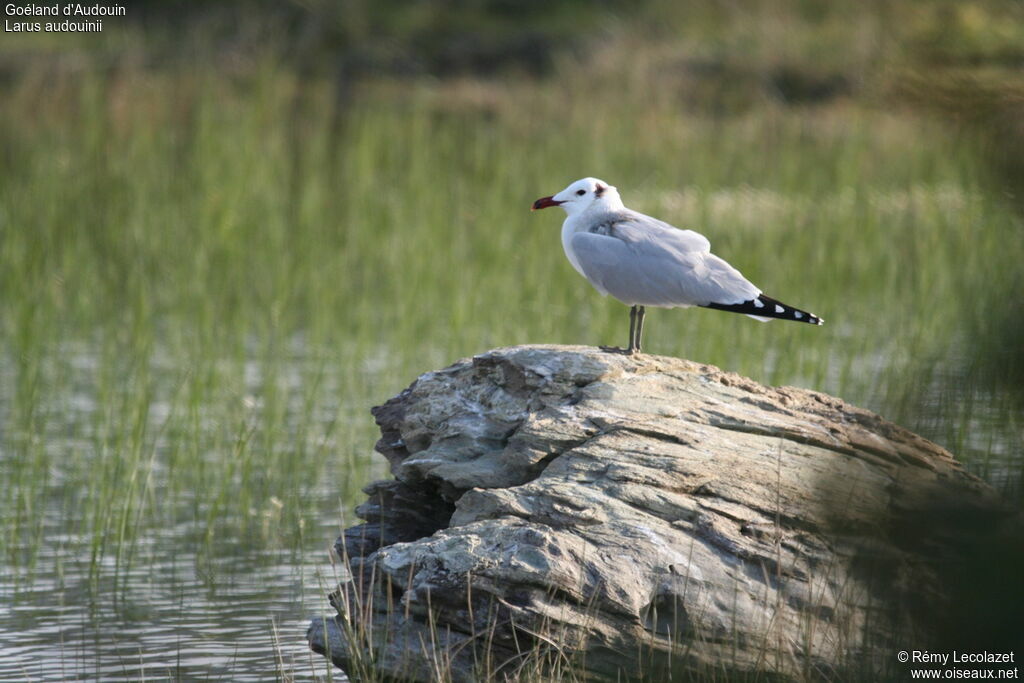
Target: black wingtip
767,307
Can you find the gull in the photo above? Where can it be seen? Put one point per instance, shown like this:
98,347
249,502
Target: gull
642,261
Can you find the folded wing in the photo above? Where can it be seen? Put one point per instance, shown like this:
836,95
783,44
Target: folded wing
641,260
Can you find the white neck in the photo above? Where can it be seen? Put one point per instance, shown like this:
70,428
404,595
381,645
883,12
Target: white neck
579,219
609,201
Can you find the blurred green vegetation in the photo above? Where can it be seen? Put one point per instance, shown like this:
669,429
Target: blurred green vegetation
248,191
228,230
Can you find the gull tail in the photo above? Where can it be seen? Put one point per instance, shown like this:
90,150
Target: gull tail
765,308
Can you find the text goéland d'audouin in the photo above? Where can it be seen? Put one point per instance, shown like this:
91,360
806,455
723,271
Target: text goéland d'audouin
66,18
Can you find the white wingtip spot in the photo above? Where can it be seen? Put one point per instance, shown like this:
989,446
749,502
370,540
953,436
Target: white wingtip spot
758,303
798,314
779,309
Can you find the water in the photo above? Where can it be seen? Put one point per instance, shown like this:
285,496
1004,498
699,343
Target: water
180,582
166,618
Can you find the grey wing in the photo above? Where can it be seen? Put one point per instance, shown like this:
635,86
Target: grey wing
640,260
634,226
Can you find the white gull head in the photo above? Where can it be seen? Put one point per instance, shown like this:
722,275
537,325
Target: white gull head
584,194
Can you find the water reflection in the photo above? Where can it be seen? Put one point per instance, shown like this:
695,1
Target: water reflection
120,590
173,614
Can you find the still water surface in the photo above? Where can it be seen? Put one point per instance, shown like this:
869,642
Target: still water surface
148,591
164,620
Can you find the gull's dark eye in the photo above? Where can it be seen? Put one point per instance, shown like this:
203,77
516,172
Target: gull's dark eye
580,193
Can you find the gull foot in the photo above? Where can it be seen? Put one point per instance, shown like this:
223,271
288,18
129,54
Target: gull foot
613,349
620,350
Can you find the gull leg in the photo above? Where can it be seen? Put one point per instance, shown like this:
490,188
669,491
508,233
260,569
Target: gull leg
632,334
634,341
632,329
631,349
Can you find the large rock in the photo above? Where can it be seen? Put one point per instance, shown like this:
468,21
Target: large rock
567,508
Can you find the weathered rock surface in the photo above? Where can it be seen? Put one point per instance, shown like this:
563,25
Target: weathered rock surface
641,514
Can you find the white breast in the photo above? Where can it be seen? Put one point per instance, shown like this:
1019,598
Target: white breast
569,228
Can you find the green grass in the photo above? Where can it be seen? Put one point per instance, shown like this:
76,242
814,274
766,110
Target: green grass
208,277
